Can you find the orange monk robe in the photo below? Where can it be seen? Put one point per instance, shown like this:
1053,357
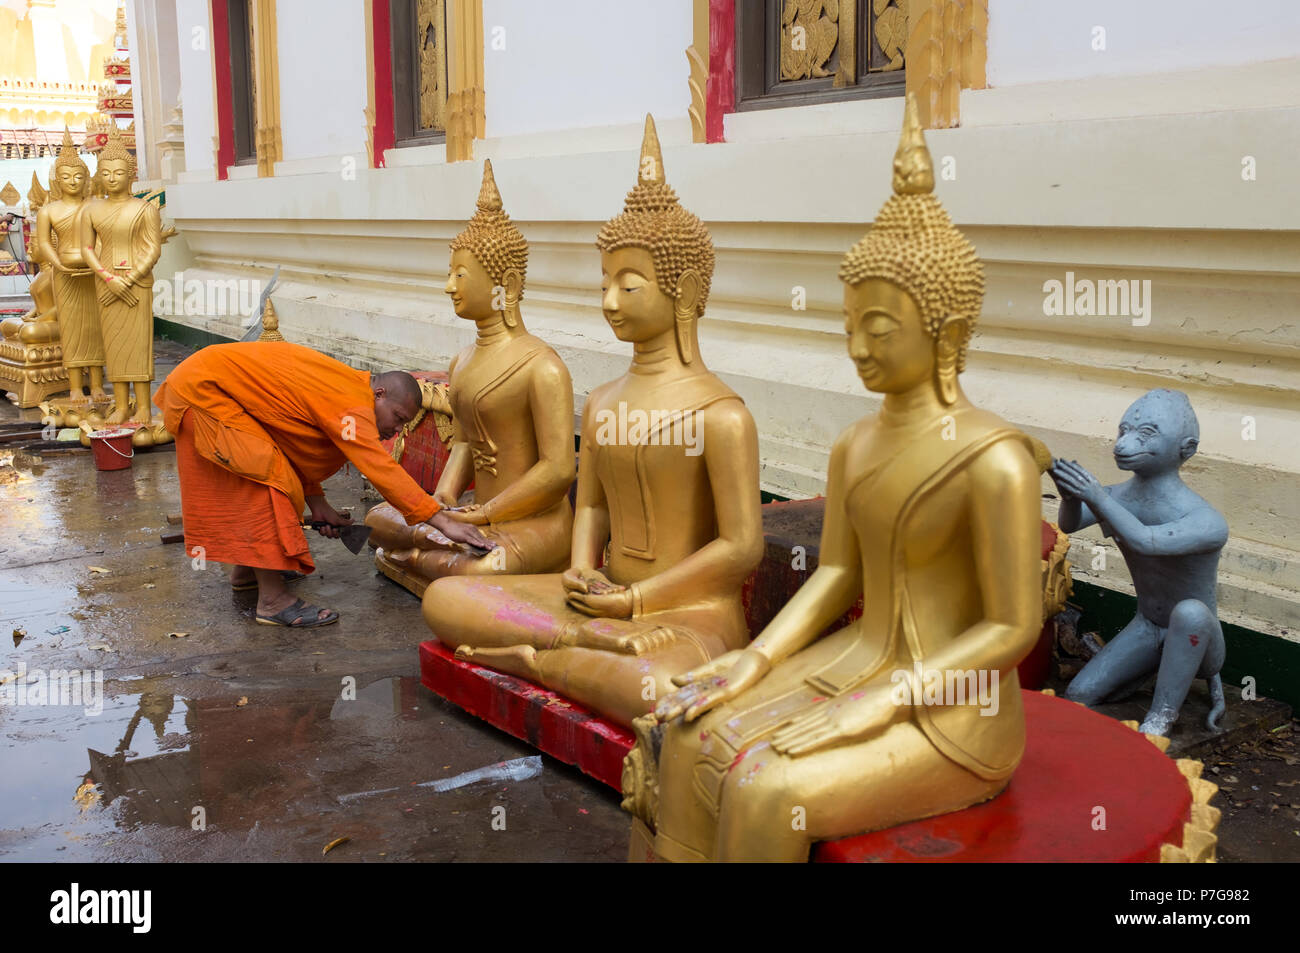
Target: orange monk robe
258,426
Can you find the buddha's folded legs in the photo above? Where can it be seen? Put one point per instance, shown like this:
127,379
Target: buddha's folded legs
531,545
896,777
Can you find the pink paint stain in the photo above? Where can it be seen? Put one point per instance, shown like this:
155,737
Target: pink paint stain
1194,640
856,695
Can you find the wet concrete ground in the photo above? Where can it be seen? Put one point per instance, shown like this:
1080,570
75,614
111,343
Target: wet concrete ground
181,770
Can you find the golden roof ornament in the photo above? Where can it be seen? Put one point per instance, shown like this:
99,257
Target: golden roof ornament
9,195
655,220
270,324
494,241
914,244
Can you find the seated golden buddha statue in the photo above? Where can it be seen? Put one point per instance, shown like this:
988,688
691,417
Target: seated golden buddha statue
668,524
512,411
932,516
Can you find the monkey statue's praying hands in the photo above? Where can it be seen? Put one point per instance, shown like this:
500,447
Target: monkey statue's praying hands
1171,539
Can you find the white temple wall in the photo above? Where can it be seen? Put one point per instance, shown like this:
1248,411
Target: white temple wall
605,62
194,44
322,62
1035,41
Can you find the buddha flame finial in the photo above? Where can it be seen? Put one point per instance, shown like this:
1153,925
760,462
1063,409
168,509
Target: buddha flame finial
68,154
270,324
494,241
913,168
651,169
489,198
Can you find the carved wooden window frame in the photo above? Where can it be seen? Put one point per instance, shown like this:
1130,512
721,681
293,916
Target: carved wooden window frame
758,80
407,130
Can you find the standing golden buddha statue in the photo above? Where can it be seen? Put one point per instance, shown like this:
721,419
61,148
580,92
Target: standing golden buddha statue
129,235
512,411
932,516
59,237
668,524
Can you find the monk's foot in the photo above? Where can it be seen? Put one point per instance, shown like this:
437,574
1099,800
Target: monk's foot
1158,722
242,577
518,660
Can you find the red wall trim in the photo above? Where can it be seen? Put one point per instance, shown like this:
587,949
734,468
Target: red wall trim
224,88
382,135
721,94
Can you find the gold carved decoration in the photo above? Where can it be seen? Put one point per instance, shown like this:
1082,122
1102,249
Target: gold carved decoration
465,115
809,34
9,195
947,49
431,45
263,44
890,29
697,59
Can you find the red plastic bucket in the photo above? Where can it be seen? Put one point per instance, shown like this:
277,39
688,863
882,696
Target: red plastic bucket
112,448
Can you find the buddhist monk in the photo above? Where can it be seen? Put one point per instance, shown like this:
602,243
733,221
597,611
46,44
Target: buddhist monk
258,426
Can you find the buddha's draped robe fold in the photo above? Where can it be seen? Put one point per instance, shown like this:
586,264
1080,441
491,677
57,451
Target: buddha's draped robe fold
258,426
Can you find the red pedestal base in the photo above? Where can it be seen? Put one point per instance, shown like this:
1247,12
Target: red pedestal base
1076,762
547,721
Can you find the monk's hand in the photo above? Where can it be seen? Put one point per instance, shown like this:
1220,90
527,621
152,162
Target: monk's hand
589,592
713,684
473,513
322,512
836,721
459,532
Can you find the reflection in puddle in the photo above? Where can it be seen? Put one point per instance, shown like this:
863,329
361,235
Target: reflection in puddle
154,758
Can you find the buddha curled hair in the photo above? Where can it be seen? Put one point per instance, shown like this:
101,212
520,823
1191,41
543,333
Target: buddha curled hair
914,244
494,241
653,219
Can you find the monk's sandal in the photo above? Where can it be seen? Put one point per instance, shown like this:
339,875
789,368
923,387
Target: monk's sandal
299,616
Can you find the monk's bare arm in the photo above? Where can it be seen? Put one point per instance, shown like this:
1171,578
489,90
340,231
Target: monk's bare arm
458,472
355,434
591,514
728,436
836,583
1005,521
550,397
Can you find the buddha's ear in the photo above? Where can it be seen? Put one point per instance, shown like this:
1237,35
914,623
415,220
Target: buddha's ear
688,290
953,333
513,282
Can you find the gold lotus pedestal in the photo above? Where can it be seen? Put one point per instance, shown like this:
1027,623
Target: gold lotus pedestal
32,372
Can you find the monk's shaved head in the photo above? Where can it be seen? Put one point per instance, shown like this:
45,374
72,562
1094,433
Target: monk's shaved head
401,387
397,400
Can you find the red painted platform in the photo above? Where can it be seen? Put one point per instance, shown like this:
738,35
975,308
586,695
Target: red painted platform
547,721
1075,761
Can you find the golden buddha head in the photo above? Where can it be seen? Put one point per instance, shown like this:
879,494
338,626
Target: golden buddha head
656,258
488,259
70,178
116,167
914,283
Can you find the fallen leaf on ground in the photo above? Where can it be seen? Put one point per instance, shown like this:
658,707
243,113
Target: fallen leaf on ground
100,647
334,843
99,569
6,679
178,635
19,635
243,700
149,585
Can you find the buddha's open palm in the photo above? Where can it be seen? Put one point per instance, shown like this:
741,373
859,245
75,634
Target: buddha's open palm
712,684
836,721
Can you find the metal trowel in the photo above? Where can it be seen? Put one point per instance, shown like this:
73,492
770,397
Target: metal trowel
353,536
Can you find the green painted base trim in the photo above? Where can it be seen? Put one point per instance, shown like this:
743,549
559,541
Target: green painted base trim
1273,662
184,334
